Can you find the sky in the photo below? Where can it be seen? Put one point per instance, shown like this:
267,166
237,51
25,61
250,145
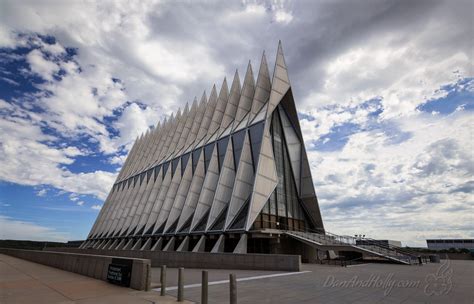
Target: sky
384,92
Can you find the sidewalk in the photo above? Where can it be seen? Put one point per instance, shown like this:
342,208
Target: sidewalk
26,282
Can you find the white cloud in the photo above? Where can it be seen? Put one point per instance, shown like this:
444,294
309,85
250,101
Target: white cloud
96,207
403,74
40,66
22,230
409,191
42,192
80,203
24,143
282,16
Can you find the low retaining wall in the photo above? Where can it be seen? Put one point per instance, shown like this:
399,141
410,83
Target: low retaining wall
456,256
94,266
248,261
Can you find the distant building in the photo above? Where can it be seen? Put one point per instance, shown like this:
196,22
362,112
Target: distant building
439,244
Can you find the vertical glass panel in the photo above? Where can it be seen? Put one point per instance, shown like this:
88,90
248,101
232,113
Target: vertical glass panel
184,162
220,221
148,175
196,155
157,170
256,133
221,148
290,195
208,155
174,165
273,203
238,142
165,168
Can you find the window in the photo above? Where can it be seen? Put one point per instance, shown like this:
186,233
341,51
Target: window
238,143
184,162
174,165
165,168
157,171
221,148
195,160
256,133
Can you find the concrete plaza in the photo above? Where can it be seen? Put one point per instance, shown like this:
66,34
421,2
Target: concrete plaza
26,282
430,283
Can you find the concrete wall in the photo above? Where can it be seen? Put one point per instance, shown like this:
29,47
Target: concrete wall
94,266
248,261
456,256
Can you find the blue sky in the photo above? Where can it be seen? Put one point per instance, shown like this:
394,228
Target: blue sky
384,92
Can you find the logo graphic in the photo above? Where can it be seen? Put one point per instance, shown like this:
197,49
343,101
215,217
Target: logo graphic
440,282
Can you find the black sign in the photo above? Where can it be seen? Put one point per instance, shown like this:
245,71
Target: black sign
120,272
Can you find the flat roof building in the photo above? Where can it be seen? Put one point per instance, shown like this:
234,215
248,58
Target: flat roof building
439,244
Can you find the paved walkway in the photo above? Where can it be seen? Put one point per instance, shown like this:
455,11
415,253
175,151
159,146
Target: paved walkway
366,283
26,282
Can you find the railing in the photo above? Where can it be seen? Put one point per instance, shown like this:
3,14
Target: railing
328,238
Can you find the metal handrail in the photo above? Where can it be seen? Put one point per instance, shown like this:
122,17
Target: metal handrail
375,246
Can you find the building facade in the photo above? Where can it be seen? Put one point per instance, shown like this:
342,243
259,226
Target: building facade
226,174
440,244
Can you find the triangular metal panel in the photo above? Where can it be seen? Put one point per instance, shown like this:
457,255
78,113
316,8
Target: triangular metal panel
262,89
244,180
187,128
194,192
196,123
220,108
246,95
178,133
206,121
181,195
233,102
266,178
225,184
293,145
131,206
153,215
208,190
143,200
170,197
280,81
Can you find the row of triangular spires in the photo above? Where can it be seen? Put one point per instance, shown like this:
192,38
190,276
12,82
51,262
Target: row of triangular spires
205,187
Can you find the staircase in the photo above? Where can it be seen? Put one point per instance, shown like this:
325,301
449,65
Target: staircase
329,241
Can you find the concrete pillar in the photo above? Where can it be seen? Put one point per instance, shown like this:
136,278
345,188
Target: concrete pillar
137,245
233,289
241,245
170,245
184,246
219,246
158,245
204,287
147,245
201,244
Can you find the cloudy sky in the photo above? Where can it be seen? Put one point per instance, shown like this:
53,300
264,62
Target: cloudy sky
384,91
